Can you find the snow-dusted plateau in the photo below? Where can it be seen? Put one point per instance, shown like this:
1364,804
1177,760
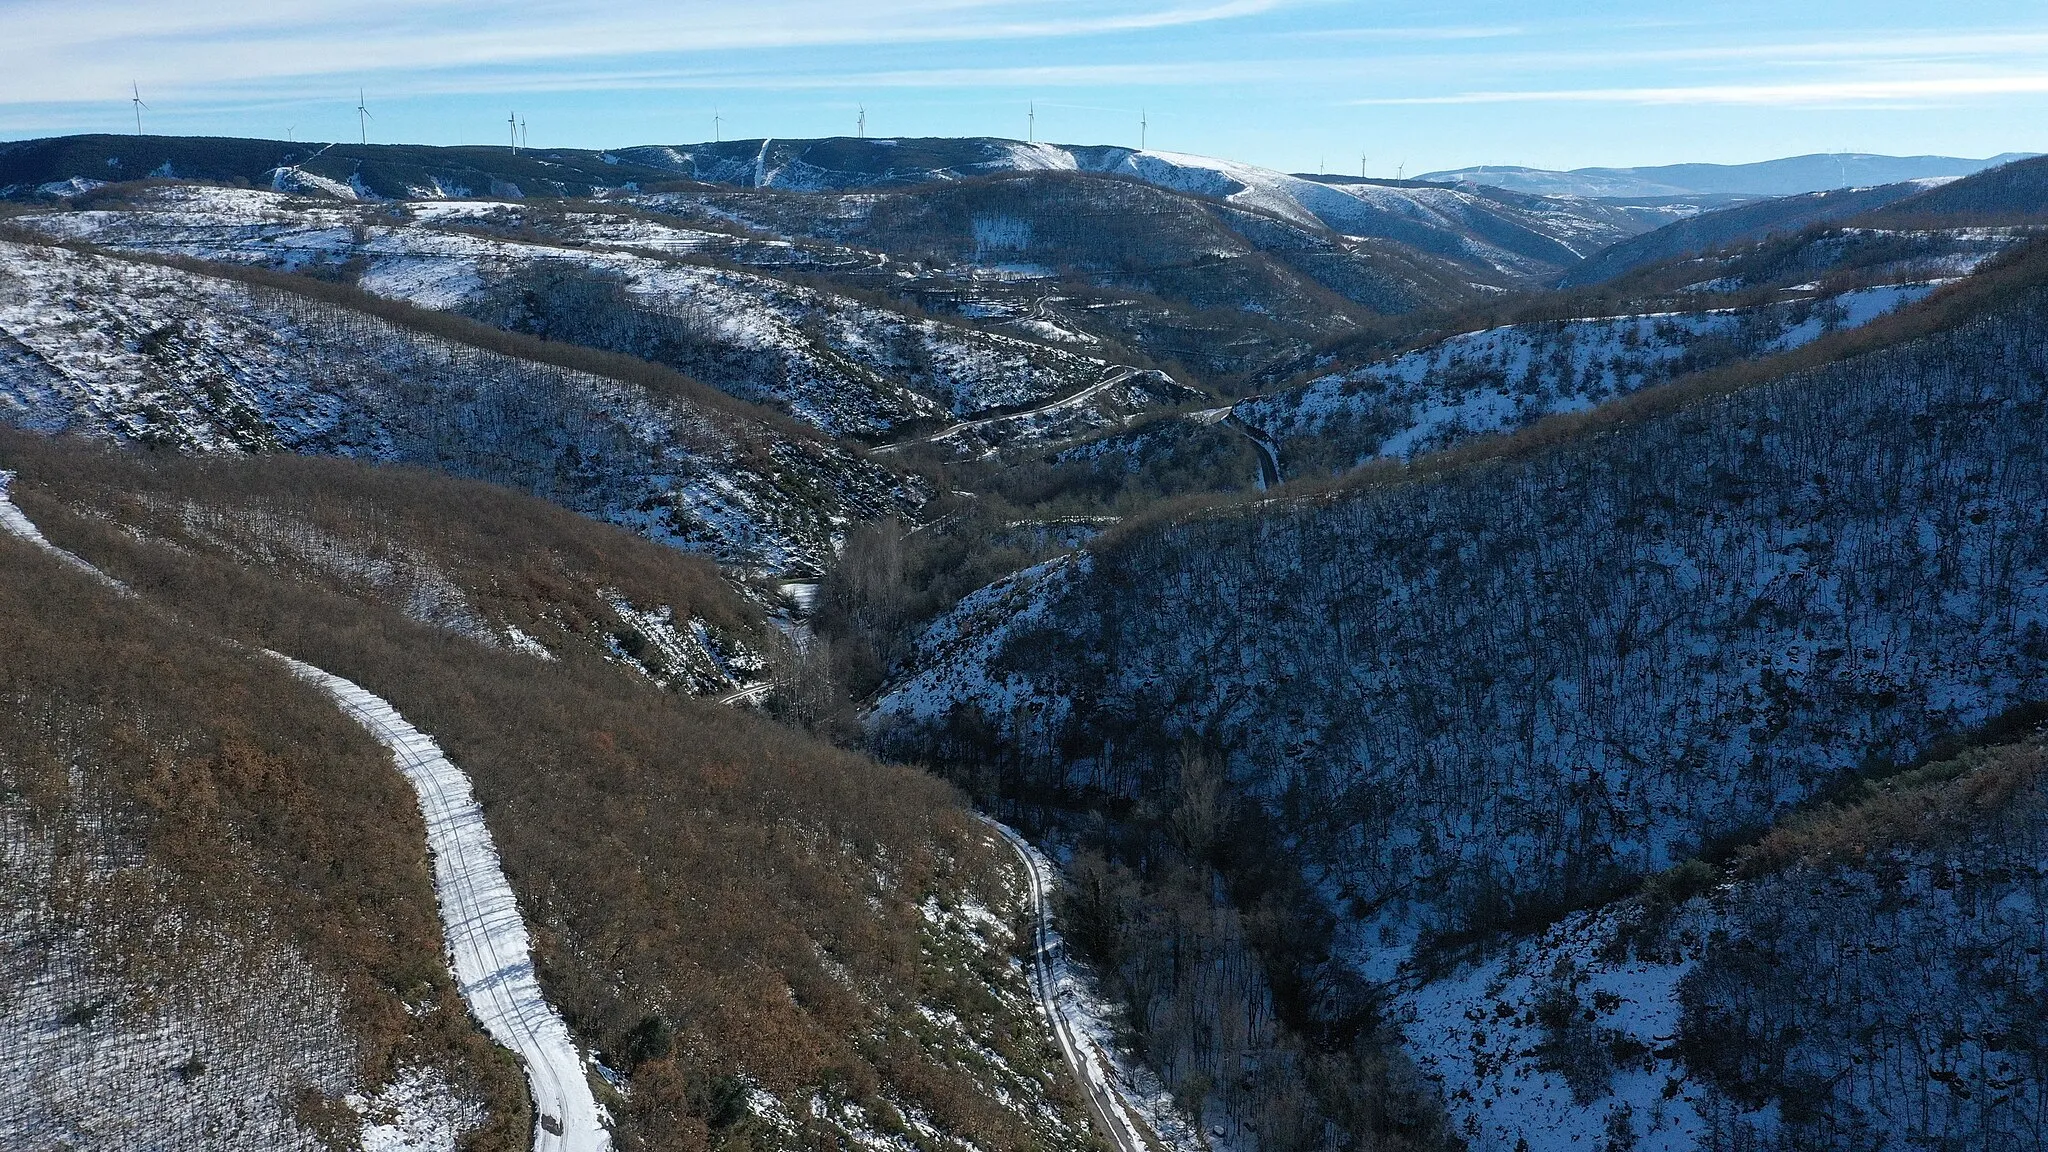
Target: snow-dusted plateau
980,646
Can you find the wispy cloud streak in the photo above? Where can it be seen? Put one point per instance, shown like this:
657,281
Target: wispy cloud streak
1819,93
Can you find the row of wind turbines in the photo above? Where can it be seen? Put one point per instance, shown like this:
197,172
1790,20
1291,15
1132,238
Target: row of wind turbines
515,124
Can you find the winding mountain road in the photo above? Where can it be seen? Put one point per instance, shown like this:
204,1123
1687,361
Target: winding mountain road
489,951
1112,1115
488,947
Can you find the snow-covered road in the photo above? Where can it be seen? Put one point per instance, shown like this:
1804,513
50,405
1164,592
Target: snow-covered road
16,524
1106,1103
488,946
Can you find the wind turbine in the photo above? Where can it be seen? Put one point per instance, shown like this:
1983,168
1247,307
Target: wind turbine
1361,165
717,125
1031,124
363,116
139,105
1143,125
863,122
512,127
522,132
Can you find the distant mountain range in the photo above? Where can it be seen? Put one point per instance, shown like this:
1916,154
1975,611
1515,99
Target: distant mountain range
1788,177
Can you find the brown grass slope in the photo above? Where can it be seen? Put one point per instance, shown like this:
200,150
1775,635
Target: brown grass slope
717,902
277,821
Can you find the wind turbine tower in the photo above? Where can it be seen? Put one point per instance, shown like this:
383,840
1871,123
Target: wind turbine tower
1361,165
717,125
512,128
1031,124
1144,125
522,132
363,116
136,100
863,122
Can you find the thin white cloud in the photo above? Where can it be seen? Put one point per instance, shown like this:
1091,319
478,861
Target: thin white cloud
1013,78
1895,92
75,50
1919,45
1422,34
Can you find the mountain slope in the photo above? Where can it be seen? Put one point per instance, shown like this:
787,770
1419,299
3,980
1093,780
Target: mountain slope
218,923
1504,379
206,364
1648,639
2014,194
765,940
1791,176
1731,226
1506,232
846,366
1859,978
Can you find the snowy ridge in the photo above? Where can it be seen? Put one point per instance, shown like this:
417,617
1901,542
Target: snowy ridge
1514,238
489,951
839,364
1509,233
1501,379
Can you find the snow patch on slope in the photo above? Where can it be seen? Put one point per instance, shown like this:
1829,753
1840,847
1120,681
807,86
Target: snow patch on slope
1558,1041
1506,378
418,1111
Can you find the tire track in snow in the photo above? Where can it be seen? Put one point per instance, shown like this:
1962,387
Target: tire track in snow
488,946
1113,1116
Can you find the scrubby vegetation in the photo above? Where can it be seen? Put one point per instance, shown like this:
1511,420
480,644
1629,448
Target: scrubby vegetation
239,928
721,906
1879,975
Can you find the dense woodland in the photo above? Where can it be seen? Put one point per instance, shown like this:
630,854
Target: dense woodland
1470,700
1880,977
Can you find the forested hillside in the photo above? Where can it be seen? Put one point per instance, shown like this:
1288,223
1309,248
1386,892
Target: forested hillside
1445,710
1466,699
767,942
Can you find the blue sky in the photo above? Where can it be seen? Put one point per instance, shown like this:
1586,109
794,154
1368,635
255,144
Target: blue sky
1294,84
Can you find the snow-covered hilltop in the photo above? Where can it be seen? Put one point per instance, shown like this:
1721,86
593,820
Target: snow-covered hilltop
1511,232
